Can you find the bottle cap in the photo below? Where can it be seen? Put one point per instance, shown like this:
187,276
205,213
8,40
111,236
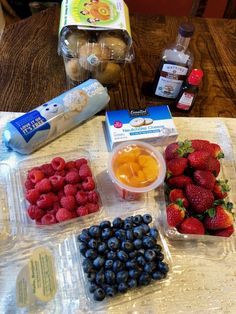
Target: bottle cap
186,29
195,77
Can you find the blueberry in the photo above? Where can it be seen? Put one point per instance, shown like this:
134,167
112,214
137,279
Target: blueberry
129,235
150,255
93,244
132,283
138,244
110,291
128,224
138,232
133,254
83,248
91,254
162,267
157,275
111,255
117,266
120,234
99,294
118,222
134,273
146,228
157,248
93,287
148,242
137,219
141,260
127,246
106,233
147,219
153,233
94,231
105,224
110,277
84,237
122,287
113,243
149,267
123,256
108,263
87,265
144,279
141,251
100,278
160,256
102,247
122,276
131,264
98,262
129,219
91,276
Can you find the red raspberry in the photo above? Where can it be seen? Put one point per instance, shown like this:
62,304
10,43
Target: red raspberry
43,186
35,212
85,171
35,175
45,201
61,173
48,219
58,163
52,212
81,197
80,162
60,194
70,189
88,184
56,206
82,211
92,208
78,186
64,214
47,170
70,165
72,177
93,197
68,202
57,182
32,196
29,184
54,196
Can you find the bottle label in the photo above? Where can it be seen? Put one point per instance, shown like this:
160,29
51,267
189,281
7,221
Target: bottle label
170,80
185,101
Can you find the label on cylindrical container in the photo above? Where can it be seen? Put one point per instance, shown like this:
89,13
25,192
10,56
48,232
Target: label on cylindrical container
185,101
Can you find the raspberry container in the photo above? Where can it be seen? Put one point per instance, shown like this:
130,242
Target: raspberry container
216,133
19,203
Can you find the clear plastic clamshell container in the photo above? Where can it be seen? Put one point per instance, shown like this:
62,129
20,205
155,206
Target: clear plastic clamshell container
204,245
44,273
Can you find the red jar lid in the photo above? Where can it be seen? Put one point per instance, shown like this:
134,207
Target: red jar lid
195,77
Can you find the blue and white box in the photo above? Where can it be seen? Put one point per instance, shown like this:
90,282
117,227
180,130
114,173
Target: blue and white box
153,124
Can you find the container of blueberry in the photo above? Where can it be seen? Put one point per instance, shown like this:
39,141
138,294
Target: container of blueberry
122,259
56,189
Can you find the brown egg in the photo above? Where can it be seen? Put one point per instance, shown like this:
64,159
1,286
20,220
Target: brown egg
110,75
115,43
92,56
75,71
75,40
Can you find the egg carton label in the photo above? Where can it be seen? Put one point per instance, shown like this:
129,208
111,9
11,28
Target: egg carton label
153,124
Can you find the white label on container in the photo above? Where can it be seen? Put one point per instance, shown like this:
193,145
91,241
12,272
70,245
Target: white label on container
185,101
170,80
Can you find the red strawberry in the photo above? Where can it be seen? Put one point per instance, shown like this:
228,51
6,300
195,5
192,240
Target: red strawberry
179,181
217,151
224,232
191,225
176,194
178,149
176,167
199,198
220,217
175,213
199,159
214,166
204,178
220,189
202,145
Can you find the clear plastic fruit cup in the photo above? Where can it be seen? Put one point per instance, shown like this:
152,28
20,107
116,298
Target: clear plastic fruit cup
136,168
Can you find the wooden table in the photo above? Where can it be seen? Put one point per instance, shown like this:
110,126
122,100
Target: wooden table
32,72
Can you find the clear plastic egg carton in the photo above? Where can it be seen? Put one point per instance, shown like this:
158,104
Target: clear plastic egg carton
215,132
17,196
45,271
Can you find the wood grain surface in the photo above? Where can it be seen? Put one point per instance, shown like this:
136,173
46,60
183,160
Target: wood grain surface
32,72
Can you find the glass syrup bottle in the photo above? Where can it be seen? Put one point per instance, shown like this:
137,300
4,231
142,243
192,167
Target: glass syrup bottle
176,63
